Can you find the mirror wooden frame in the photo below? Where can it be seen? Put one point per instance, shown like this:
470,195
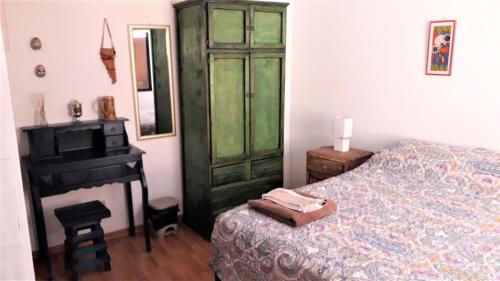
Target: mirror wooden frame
168,48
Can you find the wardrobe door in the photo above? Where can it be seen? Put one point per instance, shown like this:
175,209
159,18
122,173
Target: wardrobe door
229,106
268,27
267,85
228,25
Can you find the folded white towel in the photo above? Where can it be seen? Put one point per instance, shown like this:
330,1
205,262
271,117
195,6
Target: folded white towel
294,201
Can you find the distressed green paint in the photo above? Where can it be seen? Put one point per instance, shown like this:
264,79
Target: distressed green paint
231,174
266,103
213,184
228,26
268,27
228,75
194,109
237,195
267,167
162,80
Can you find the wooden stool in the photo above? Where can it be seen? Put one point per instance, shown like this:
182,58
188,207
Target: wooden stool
79,217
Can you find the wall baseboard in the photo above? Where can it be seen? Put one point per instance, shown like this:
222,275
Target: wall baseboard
139,229
108,236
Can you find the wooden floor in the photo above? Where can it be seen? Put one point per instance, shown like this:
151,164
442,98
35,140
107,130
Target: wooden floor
182,256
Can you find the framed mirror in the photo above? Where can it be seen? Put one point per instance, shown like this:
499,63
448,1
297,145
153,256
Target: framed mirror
151,63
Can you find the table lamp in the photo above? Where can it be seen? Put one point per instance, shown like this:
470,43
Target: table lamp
342,131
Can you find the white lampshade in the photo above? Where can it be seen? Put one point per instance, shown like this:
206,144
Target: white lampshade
342,127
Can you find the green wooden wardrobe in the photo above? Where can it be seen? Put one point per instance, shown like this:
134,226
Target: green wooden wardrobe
232,74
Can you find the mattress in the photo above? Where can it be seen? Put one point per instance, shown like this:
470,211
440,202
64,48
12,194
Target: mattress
415,211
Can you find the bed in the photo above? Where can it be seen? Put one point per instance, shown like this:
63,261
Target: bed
415,211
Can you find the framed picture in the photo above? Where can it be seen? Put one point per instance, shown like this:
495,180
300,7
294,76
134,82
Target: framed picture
440,47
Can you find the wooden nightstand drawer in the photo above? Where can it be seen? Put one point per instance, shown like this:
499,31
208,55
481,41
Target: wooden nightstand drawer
319,176
324,162
324,166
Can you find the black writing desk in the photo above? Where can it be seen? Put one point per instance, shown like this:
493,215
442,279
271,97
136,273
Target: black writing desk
69,156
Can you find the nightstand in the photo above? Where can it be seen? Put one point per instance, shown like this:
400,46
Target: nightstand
324,162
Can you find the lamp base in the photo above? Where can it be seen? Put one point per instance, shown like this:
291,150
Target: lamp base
341,145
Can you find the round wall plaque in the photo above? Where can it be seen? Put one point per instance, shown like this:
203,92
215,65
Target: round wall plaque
40,71
36,43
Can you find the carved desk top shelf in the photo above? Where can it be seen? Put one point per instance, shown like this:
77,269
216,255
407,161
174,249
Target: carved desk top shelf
74,155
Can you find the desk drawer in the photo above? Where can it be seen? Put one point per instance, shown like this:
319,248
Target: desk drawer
89,175
114,141
113,129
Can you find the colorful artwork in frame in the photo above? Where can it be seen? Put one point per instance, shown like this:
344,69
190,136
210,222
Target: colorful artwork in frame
440,47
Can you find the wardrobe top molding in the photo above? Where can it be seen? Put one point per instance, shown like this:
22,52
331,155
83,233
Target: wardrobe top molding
188,3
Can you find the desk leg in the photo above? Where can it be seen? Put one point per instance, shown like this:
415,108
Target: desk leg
145,206
130,209
43,248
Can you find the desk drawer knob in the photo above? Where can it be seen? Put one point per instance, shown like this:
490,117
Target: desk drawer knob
113,142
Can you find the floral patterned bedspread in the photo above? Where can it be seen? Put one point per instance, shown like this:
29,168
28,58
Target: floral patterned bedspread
415,211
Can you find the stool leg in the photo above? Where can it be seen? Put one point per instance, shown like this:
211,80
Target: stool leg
97,240
74,275
73,232
69,247
66,248
107,265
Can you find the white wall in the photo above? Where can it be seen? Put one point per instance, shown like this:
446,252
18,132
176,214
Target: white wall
366,59
70,32
15,248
